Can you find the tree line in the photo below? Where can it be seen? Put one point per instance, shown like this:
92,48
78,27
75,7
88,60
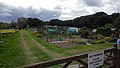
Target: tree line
99,19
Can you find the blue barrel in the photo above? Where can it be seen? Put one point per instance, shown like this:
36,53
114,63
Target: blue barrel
118,42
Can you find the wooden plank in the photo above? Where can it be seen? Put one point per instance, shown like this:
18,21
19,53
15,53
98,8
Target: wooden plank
67,64
55,62
62,60
82,62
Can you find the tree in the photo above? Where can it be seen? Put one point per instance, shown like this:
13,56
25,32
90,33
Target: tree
4,25
117,23
22,22
109,25
104,31
35,22
13,24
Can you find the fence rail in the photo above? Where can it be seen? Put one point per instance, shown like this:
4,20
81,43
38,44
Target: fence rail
110,60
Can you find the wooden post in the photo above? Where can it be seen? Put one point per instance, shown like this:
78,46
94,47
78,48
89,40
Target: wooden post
118,58
115,56
47,39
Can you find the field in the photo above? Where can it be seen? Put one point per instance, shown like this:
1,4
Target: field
23,48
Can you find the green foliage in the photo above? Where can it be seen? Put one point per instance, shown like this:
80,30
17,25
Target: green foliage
96,41
81,42
108,39
98,37
84,32
33,33
35,49
109,25
22,22
66,51
91,41
34,22
104,31
99,41
45,33
38,35
4,25
117,22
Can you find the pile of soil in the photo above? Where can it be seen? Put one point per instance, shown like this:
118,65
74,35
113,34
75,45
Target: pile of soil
66,44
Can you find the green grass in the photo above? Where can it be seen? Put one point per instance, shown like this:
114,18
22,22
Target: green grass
65,51
37,52
50,46
11,54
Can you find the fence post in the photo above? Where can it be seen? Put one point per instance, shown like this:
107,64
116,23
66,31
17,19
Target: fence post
47,39
115,56
118,57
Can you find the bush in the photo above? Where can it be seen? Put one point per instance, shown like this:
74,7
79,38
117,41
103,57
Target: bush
99,41
33,33
38,35
91,41
108,39
73,41
81,42
98,37
96,41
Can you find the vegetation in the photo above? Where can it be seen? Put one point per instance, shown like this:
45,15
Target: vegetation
7,31
11,53
96,20
4,25
70,51
35,49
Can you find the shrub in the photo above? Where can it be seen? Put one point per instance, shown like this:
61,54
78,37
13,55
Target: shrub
81,42
72,41
96,41
33,33
98,37
108,39
91,41
38,35
99,41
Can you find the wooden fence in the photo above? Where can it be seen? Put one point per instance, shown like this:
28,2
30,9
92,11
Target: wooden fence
110,60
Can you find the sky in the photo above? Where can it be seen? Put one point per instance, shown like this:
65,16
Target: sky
54,9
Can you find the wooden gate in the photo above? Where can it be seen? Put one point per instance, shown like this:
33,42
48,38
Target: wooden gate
110,60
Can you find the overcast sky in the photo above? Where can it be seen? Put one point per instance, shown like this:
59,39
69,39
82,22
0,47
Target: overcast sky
55,9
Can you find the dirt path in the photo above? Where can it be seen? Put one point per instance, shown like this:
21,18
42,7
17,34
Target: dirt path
49,52
29,54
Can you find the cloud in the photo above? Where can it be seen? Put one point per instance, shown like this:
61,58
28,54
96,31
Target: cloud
8,12
92,3
60,9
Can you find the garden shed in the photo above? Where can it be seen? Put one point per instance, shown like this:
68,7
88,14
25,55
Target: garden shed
72,30
52,29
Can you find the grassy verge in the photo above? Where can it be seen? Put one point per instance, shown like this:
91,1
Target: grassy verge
68,51
11,54
49,46
37,52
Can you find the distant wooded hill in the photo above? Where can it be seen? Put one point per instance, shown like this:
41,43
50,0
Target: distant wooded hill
99,19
